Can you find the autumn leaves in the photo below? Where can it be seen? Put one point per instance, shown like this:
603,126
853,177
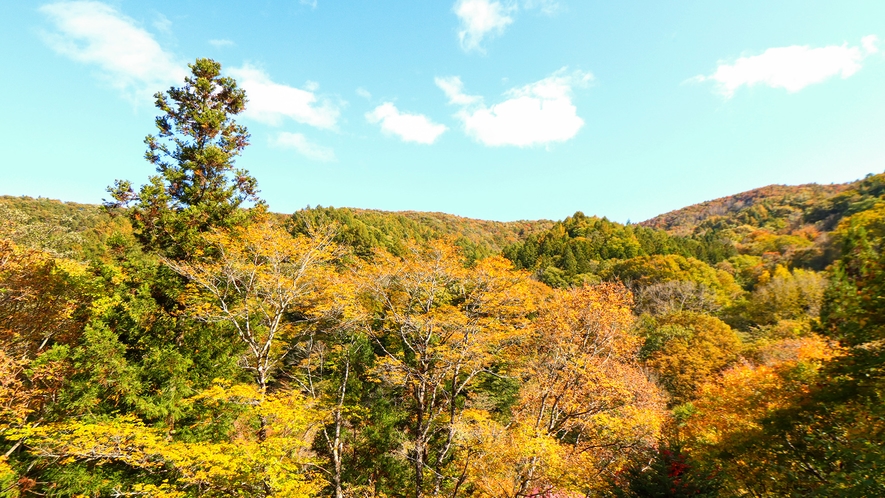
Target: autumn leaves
435,333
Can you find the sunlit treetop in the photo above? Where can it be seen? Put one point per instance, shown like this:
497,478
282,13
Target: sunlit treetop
194,151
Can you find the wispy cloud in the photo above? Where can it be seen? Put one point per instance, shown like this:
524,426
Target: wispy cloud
453,87
408,127
310,3
480,19
791,68
162,23
305,147
221,43
536,114
548,7
270,102
870,44
362,92
126,57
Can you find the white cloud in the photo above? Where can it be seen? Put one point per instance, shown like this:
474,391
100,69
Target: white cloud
870,44
362,92
270,102
310,3
409,127
791,68
486,18
535,114
305,147
454,90
221,43
481,18
128,58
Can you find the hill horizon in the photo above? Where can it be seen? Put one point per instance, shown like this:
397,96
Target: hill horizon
658,221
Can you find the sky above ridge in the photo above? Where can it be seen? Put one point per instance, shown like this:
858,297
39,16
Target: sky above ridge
493,109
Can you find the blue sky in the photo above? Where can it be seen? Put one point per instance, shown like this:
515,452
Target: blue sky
494,109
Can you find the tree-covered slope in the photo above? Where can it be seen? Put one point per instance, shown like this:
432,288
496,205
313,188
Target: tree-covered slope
64,228
773,206
82,229
788,225
581,248
366,230
183,342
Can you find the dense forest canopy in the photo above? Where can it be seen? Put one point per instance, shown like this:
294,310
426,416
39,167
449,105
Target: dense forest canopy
184,341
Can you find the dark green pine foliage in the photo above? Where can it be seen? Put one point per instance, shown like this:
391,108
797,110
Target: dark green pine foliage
140,352
197,187
569,262
371,464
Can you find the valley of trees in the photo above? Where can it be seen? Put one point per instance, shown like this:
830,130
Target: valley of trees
182,340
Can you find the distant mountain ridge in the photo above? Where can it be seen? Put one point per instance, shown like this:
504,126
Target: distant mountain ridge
787,199
773,219
70,227
497,234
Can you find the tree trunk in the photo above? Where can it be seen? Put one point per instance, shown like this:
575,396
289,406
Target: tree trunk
419,441
337,444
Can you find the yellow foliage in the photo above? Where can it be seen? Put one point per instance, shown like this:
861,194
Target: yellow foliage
585,401
38,297
871,220
507,461
278,464
693,348
790,296
8,479
440,324
253,276
731,406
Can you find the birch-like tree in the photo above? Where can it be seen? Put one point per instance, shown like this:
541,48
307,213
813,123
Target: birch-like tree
257,279
439,326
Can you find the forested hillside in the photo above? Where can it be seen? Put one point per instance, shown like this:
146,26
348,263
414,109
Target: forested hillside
789,223
81,229
366,230
775,207
181,340
62,228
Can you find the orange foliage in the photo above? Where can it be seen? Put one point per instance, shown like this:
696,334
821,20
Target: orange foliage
731,406
585,401
694,348
252,279
37,300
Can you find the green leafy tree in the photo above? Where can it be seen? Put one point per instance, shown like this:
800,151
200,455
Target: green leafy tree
197,187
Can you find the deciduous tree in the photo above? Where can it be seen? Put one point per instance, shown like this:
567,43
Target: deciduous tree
440,326
585,403
252,279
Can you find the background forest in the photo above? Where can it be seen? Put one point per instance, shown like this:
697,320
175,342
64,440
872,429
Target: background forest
182,340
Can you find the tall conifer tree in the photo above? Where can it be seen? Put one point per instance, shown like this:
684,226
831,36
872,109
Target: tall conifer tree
197,186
